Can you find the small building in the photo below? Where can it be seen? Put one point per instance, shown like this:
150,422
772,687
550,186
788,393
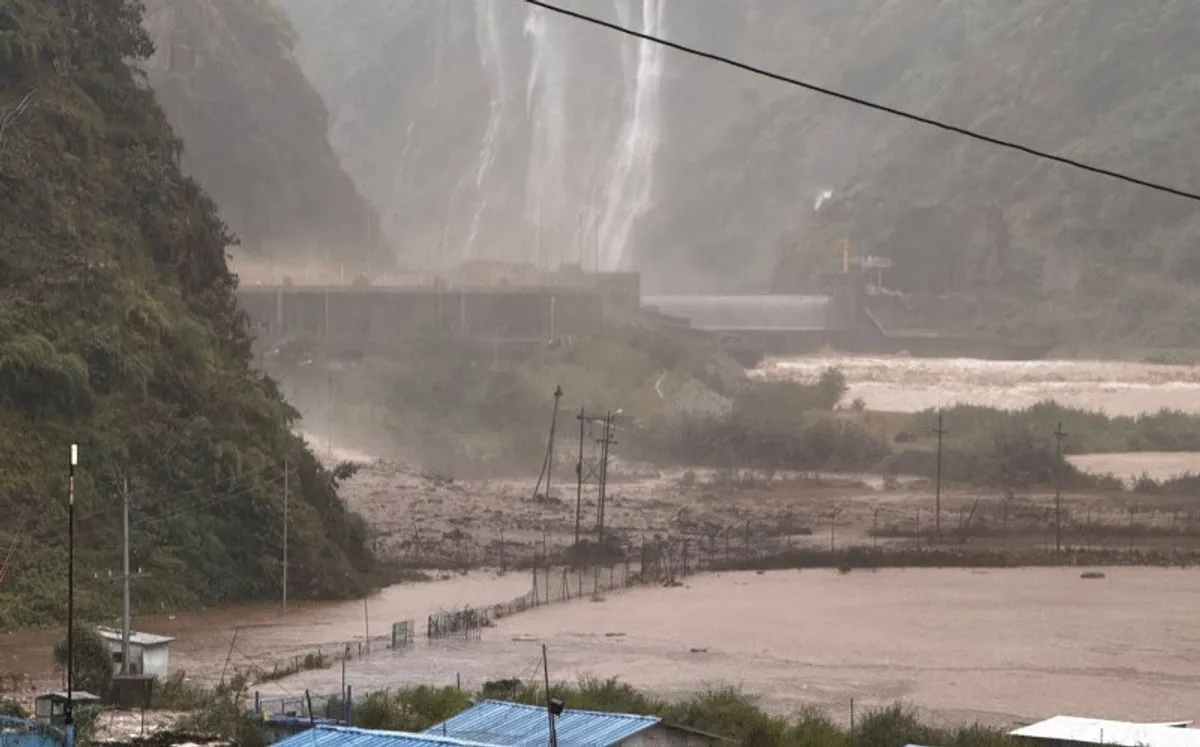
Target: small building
1070,731
515,725
149,654
52,707
348,736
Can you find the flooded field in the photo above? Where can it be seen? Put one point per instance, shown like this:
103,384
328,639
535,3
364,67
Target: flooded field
206,645
1158,465
913,384
997,646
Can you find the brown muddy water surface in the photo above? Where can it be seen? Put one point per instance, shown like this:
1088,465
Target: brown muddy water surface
901,384
998,646
264,634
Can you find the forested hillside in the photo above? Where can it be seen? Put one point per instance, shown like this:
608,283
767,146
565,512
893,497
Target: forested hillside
255,131
477,122
119,331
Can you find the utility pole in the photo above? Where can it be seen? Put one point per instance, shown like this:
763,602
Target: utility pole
1059,435
329,418
608,441
937,511
285,535
127,578
579,478
548,461
69,710
558,392
549,701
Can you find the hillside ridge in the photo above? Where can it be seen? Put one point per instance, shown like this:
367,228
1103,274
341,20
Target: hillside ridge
119,331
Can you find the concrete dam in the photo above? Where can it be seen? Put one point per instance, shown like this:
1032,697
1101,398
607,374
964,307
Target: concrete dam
388,318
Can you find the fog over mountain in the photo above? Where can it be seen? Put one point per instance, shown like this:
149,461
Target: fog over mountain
469,123
254,130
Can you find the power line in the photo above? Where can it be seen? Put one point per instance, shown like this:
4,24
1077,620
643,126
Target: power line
964,132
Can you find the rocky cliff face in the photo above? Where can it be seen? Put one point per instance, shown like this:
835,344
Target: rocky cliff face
254,130
473,122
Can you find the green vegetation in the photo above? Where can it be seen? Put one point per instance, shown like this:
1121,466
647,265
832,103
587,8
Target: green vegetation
458,409
119,331
1016,449
722,711
93,670
1087,432
224,711
12,709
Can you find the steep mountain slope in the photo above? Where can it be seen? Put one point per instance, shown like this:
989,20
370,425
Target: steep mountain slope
119,331
476,121
255,130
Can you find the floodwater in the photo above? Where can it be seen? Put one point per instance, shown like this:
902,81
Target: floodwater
1128,466
997,646
914,384
1001,645
206,640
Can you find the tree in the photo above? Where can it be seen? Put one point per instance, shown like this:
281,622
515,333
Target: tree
93,661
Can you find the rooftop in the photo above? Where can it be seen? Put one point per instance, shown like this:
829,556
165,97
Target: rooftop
135,638
77,696
348,736
1121,733
515,725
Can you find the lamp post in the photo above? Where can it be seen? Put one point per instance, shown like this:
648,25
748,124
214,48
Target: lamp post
68,713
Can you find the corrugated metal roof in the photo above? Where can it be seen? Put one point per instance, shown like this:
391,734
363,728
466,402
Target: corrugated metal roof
135,638
1120,733
348,736
516,725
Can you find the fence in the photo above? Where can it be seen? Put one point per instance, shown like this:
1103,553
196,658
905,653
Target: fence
655,562
401,634
987,530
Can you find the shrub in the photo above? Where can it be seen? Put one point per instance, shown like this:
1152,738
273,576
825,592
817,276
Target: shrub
93,661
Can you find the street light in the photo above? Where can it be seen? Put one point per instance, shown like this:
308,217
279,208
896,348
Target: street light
68,714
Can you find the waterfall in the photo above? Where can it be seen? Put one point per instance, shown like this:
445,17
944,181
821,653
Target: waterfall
492,57
629,189
545,100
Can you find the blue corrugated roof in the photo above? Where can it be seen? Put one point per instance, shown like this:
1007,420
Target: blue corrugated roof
515,725
347,736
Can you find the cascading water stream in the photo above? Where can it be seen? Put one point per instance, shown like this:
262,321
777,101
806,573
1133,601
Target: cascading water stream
493,58
629,190
545,100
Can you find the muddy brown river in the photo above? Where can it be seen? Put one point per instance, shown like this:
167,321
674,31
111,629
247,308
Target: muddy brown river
997,646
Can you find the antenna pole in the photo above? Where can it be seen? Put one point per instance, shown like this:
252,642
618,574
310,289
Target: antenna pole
128,580
579,478
69,711
285,535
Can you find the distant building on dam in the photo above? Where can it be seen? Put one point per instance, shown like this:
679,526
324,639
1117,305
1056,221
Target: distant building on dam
381,316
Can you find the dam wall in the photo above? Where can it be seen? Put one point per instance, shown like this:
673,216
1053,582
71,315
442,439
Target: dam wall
388,318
